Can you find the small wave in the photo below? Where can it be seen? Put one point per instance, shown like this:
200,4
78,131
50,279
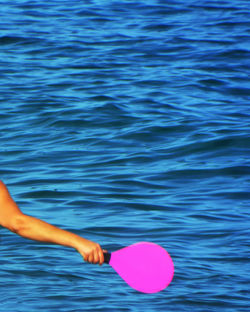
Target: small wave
14,40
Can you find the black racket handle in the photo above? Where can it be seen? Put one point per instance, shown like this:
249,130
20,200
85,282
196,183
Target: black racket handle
107,257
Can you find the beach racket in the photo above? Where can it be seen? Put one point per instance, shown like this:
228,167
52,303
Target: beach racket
146,267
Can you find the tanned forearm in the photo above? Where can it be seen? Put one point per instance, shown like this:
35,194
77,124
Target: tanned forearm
36,229
12,218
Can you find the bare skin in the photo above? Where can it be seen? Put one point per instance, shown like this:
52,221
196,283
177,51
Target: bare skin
12,218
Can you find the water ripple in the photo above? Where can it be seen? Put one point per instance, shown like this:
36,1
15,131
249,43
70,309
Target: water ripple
125,121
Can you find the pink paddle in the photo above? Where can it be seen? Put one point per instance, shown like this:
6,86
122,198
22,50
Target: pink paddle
146,267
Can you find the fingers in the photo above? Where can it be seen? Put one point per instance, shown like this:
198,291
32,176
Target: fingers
101,256
95,256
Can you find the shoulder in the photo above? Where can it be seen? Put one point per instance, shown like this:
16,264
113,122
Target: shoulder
8,208
3,189
2,184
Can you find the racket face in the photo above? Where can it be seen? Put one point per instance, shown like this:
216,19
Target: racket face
146,267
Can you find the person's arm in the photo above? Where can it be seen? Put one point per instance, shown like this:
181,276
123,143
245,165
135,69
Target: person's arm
12,218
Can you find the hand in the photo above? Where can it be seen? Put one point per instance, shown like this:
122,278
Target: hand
91,251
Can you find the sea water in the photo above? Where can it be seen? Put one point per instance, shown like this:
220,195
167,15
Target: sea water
127,121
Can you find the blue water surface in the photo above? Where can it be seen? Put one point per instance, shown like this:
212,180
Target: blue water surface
127,121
